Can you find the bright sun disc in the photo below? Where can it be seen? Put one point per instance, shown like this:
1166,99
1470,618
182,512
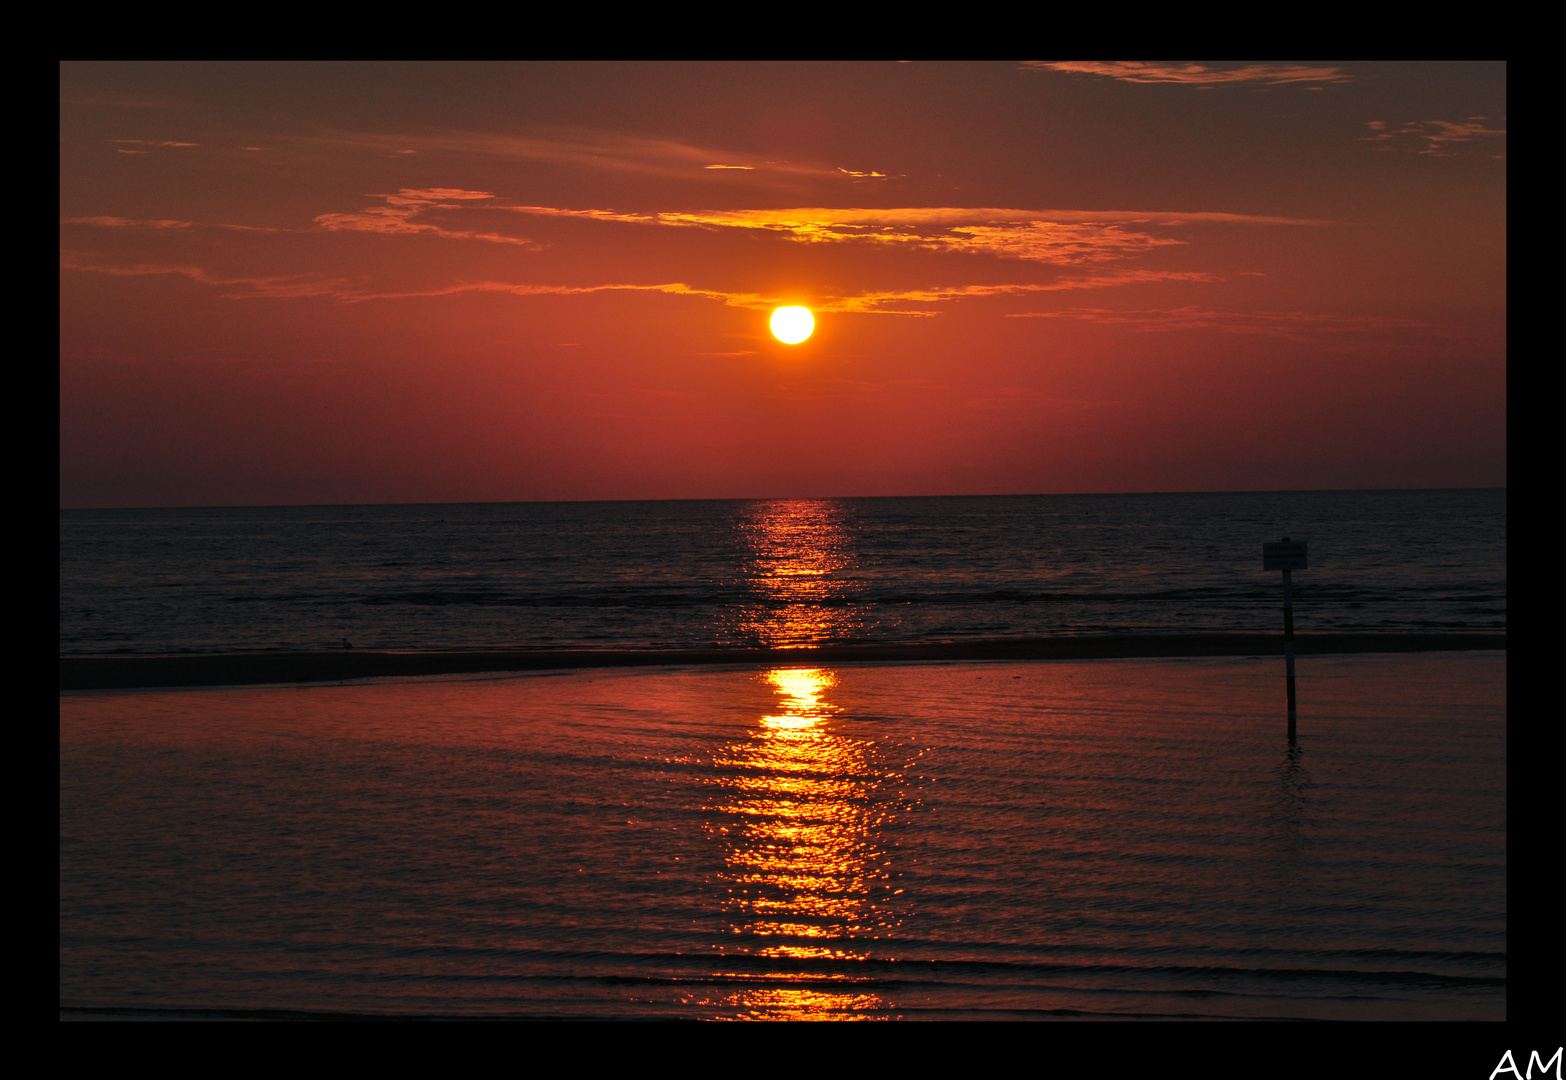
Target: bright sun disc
791,325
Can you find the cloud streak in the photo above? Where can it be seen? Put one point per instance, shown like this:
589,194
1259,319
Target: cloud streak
911,302
1201,75
677,288
604,152
397,216
288,286
882,303
1060,237
1291,325
152,142
888,302
1436,138
103,221
1085,245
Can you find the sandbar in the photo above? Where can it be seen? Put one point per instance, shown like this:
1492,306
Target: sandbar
131,672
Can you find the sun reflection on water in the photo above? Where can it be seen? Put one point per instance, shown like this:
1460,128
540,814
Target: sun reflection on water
808,877
799,567
801,1003
801,799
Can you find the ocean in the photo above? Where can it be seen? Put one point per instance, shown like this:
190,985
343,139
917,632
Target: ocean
691,575
1109,838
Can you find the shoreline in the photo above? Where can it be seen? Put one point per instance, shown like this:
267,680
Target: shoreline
130,672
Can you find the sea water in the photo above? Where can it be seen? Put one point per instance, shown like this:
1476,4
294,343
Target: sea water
1111,838
1068,838
682,575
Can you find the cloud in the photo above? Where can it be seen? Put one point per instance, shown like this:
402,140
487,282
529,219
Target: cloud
1084,246
600,151
440,194
148,142
397,216
1138,71
106,222
1061,237
1437,138
890,302
301,285
678,288
283,286
910,302
1292,325
881,303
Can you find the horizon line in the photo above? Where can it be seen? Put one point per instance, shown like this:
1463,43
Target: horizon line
790,498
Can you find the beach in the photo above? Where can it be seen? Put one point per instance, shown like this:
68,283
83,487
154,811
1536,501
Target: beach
777,541
1049,838
236,669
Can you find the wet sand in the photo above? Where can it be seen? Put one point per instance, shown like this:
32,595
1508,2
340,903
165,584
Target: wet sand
245,669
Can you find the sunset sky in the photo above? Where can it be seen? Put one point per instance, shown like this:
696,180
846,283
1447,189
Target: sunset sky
361,283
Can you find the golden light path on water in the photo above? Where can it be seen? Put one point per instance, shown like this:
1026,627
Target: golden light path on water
800,555
801,800
800,815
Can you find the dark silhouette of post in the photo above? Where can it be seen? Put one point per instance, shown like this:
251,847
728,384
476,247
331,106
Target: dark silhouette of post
1288,645
1286,556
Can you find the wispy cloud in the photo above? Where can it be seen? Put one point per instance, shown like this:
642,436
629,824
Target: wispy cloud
1293,325
893,302
296,286
398,216
678,288
160,143
427,196
603,151
888,302
1438,138
106,222
910,302
287,286
1090,249
1138,71
1061,237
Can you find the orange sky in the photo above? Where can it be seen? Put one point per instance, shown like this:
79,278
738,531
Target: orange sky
355,283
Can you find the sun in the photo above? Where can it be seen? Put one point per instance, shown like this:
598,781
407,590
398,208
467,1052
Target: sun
791,325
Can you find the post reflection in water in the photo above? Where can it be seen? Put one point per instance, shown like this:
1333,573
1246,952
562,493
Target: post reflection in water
1292,800
800,564
800,812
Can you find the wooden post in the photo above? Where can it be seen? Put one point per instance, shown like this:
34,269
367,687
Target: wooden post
1287,556
1288,646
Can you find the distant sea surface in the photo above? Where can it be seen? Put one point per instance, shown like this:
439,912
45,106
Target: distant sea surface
700,574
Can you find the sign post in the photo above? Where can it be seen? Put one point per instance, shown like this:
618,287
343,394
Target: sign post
1286,556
